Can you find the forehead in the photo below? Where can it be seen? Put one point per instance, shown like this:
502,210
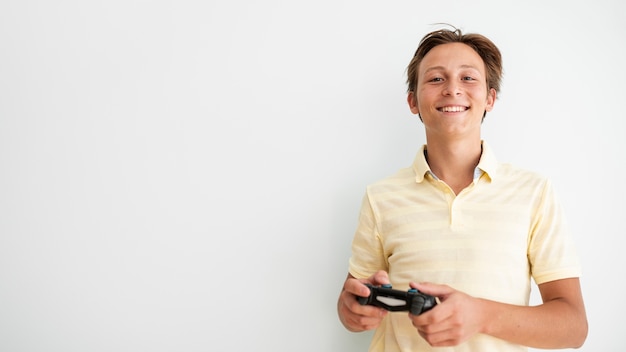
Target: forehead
452,56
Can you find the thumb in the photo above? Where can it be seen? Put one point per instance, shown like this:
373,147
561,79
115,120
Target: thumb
380,278
432,289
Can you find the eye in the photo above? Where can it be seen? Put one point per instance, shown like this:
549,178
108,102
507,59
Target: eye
467,78
436,79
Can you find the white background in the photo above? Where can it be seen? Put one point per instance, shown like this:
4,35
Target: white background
186,175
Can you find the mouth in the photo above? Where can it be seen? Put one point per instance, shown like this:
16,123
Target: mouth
453,108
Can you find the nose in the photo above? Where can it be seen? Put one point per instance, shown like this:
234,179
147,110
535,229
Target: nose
452,88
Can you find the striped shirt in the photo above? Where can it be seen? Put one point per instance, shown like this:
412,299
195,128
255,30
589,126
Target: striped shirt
488,241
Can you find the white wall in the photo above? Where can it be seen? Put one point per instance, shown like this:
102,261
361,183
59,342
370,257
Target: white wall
186,175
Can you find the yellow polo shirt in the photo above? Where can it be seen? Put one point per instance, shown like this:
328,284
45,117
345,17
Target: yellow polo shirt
487,241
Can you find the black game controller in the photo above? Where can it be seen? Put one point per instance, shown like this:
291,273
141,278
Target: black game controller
395,300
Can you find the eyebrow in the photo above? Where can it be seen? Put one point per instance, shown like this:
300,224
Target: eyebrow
438,68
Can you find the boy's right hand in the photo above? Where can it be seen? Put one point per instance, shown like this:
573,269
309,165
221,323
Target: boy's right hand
354,316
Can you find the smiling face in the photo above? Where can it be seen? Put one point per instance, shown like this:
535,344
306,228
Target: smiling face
451,95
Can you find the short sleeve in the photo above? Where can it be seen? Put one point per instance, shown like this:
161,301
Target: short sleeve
367,251
551,250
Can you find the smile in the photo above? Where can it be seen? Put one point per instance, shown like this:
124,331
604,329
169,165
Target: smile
453,108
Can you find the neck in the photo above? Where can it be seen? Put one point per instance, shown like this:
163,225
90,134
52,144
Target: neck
454,163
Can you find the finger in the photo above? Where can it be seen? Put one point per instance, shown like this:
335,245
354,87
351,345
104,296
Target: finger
364,322
356,287
356,320
432,289
351,304
381,277
440,339
363,314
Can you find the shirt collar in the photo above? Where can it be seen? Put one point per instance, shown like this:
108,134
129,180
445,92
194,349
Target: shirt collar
487,164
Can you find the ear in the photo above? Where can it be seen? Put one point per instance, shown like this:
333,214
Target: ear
491,99
412,100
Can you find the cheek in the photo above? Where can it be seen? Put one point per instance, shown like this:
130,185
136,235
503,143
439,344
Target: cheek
479,95
424,96
427,101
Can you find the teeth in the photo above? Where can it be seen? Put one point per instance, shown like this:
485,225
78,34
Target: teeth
453,108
